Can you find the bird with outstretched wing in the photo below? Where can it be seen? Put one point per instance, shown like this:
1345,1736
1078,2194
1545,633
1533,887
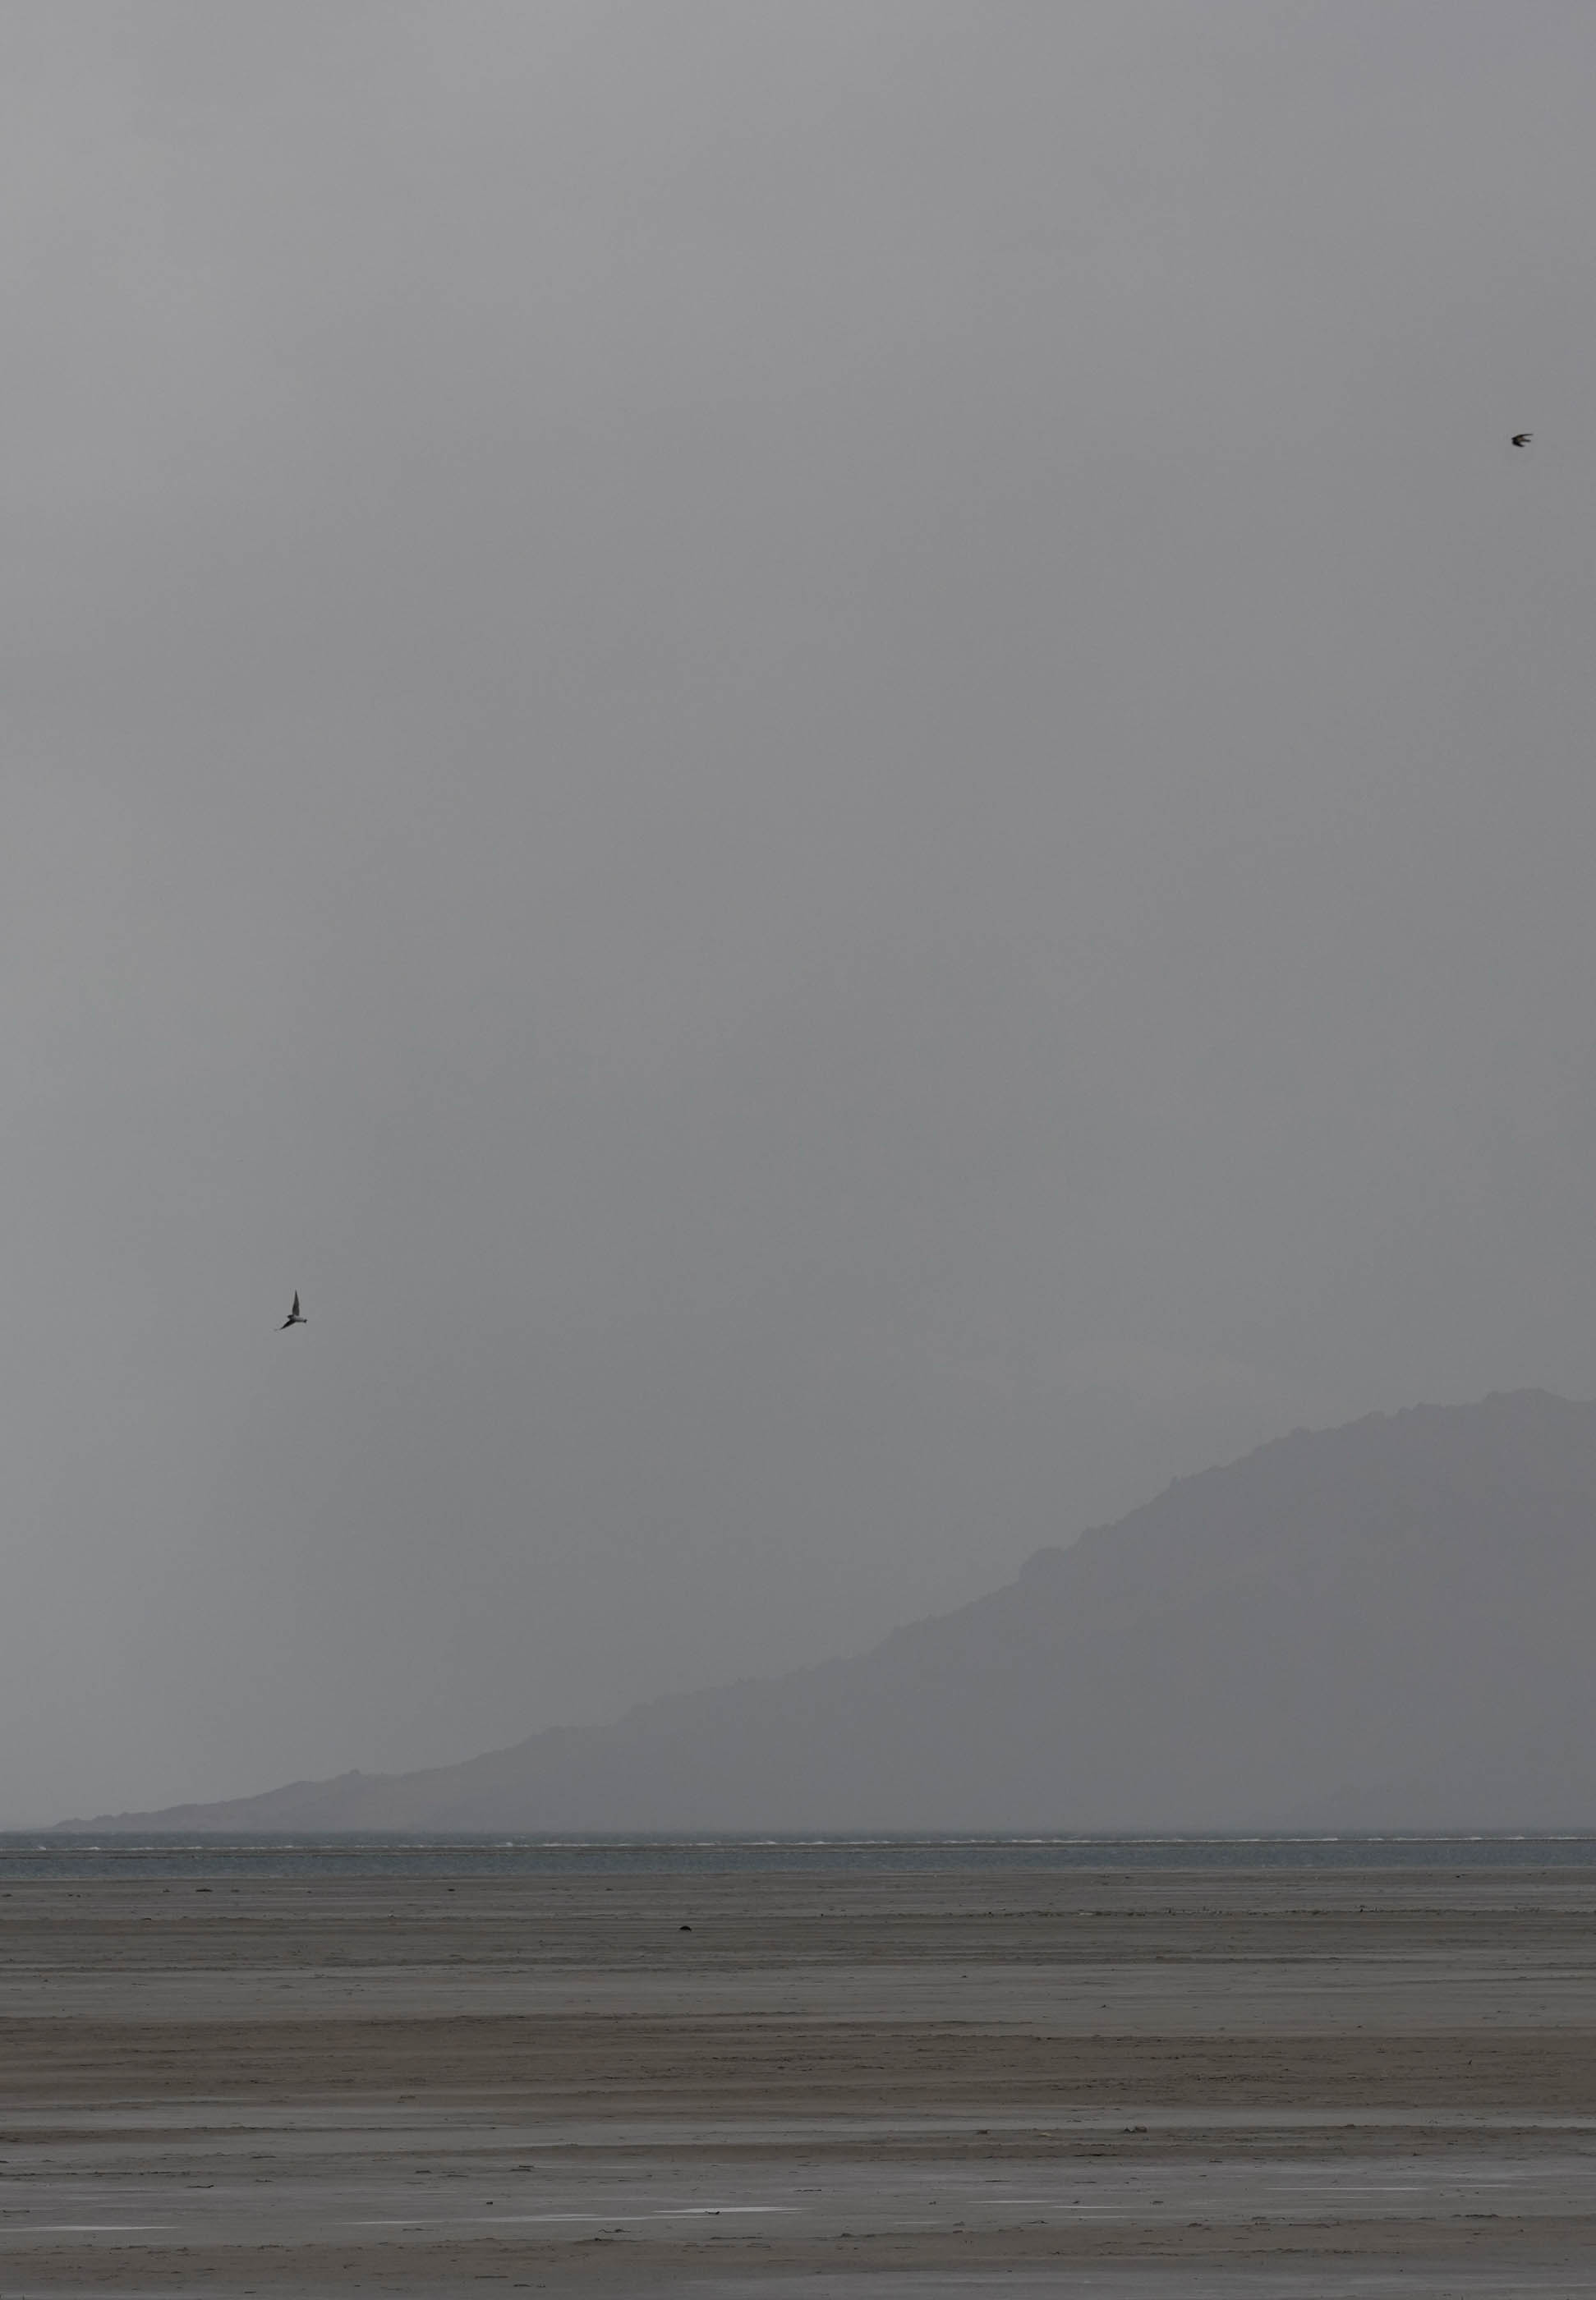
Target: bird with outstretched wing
1522,438
295,1317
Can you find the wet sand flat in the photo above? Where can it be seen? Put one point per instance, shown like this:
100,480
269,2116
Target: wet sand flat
940,2082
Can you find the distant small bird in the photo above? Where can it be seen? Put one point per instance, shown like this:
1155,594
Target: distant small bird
295,1317
1522,438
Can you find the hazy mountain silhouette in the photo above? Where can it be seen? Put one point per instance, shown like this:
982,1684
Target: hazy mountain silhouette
1385,1625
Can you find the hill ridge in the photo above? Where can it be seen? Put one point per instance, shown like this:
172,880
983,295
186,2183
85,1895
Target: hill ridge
1384,1620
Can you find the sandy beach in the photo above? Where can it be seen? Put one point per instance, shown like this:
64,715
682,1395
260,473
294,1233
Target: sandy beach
1173,2082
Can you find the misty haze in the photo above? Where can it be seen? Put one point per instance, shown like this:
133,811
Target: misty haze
796,942
832,760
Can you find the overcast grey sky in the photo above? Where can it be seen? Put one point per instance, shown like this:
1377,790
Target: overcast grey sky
824,753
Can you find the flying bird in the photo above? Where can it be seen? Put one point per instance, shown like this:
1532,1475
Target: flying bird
1522,438
295,1317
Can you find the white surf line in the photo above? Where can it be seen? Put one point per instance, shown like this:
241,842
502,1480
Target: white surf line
610,2220
1133,2209
89,2228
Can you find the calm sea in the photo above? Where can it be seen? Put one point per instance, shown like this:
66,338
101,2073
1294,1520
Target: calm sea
31,1853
